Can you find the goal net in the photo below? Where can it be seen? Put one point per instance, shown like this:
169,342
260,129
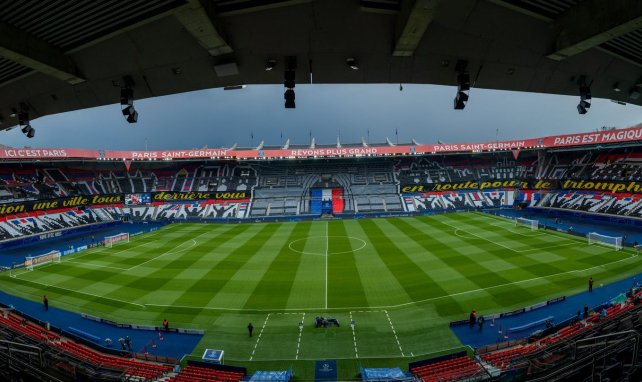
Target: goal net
612,241
34,261
533,224
121,237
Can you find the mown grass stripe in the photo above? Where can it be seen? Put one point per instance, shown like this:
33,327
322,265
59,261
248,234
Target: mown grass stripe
476,272
416,283
344,285
202,291
276,284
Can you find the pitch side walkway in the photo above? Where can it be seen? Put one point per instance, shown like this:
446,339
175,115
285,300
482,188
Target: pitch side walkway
560,311
172,344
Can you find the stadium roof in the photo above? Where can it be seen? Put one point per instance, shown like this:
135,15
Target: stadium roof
63,56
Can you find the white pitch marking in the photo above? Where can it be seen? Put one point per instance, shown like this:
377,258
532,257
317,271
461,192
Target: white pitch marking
165,253
354,338
356,308
85,293
395,333
298,344
327,247
259,338
500,244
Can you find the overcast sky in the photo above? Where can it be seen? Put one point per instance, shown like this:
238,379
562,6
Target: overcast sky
217,118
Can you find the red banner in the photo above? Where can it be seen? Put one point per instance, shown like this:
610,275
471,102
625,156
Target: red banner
583,139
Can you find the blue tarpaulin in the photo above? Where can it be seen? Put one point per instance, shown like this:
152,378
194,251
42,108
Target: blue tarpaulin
385,374
278,376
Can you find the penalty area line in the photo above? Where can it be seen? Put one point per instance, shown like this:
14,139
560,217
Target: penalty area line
298,344
260,333
395,333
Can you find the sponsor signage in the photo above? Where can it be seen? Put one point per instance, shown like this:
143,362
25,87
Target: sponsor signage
592,138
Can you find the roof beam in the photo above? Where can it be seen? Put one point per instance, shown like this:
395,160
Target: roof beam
197,20
421,15
593,22
27,50
248,6
522,8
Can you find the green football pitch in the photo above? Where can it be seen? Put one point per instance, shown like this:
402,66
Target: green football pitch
400,279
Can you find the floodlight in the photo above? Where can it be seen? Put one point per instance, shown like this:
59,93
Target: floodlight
131,115
126,96
289,81
352,63
289,99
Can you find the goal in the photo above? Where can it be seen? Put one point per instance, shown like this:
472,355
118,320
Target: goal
121,237
34,261
534,224
612,241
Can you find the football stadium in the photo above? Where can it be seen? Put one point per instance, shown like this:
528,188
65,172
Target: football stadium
495,260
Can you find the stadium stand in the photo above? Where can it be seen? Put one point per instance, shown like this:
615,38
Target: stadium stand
454,369
334,187
193,373
20,330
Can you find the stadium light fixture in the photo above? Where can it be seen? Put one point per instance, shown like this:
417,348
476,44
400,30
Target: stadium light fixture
23,121
463,85
270,64
289,82
127,99
126,96
289,99
585,99
352,63
131,115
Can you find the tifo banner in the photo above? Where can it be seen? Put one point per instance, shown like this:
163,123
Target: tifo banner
167,196
52,204
459,186
582,139
82,201
630,187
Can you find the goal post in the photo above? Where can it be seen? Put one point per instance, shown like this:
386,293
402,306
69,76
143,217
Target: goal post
34,261
533,224
612,241
121,237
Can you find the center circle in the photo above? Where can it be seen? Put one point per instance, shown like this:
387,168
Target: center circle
322,245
